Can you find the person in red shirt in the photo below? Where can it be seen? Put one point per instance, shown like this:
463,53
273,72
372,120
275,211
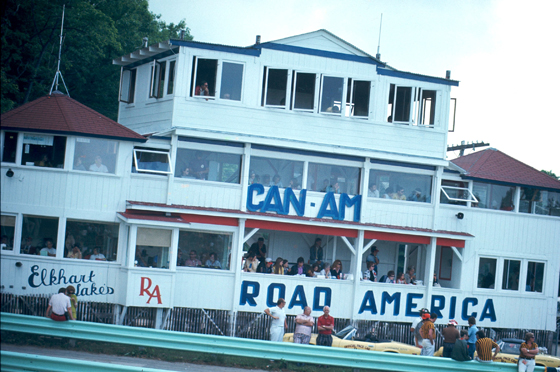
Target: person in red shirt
325,325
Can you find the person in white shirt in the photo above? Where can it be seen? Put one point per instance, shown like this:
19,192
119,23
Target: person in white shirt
98,166
97,256
59,306
49,250
278,324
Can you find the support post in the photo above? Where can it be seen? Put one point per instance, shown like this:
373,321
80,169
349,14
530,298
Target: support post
429,282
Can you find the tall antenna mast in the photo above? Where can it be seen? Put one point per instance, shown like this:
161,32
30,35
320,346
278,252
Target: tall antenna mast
378,55
58,73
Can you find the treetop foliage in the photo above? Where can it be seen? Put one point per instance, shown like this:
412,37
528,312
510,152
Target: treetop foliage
95,32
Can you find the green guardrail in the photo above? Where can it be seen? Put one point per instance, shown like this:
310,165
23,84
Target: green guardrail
241,346
13,361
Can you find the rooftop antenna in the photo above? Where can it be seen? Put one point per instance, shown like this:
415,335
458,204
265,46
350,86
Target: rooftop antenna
378,55
58,73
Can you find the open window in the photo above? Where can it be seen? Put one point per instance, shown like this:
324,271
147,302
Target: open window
39,236
157,79
456,192
152,161
212,77
204,77
357,98
43,150
331,94
9,147
486,272
400,100
128,86
152,248
303,91
96,241
424,109
275,87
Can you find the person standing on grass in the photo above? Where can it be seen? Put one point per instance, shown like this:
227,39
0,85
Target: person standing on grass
278,324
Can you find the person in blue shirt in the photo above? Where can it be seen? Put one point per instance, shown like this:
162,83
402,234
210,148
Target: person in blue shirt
472,336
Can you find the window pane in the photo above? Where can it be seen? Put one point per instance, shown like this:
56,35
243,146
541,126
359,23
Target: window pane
10,147
331,94
401,186
206,165
91,240
95,155
8,227
492,196
333,178
279,172
402,104
39,235
171,77
549,204
232,79
510,278
427,109
152,248
205,77
151,161
487,273
535,275
360,98
276,88
202,249
454,193
43,151
304,91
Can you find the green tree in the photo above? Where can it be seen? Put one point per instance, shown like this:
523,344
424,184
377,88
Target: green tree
551,174
94,34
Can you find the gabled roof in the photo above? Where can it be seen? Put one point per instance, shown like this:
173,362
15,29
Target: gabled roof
494,166
59,114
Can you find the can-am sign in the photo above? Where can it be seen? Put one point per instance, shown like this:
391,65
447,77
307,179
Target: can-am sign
273,202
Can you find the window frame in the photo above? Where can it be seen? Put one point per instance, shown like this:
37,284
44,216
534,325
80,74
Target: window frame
342,99
21,150
315,92
159,88
496,272
105,253
443,187
148,171
416,107
218,78
131,85
287,88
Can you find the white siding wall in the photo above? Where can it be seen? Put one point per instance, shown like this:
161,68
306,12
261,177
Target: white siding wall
206,194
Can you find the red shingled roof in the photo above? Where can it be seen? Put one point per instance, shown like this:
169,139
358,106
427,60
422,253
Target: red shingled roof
58,113
494,165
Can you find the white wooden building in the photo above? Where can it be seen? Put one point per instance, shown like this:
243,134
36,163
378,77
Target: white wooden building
324,122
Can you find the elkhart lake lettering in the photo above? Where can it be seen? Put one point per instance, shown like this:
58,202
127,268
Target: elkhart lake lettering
85,284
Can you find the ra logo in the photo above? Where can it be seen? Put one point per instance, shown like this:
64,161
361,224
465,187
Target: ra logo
145,285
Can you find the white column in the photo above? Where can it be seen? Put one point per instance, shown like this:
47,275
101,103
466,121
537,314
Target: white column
60,238
358,245
245,177
236,254
429,276
132,245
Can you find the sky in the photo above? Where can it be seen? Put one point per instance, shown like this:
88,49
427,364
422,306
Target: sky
504,53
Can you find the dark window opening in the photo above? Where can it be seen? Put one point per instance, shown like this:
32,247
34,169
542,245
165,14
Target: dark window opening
357,98
535,275
275,84
427,108
128,86
43,151
171,78
205,71
304,92
331,94
486,273
510,279
10,147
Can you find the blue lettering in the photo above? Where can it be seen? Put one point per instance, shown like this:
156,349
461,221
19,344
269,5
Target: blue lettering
317,296
387,299
298,298
270,301
91,275
410,305
273,194
355,202
246,297
31,279
488,311
441,305
260,190
110,290
465,313
368,303
452,305
290,198
43,277
329,201
52,278
61,277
